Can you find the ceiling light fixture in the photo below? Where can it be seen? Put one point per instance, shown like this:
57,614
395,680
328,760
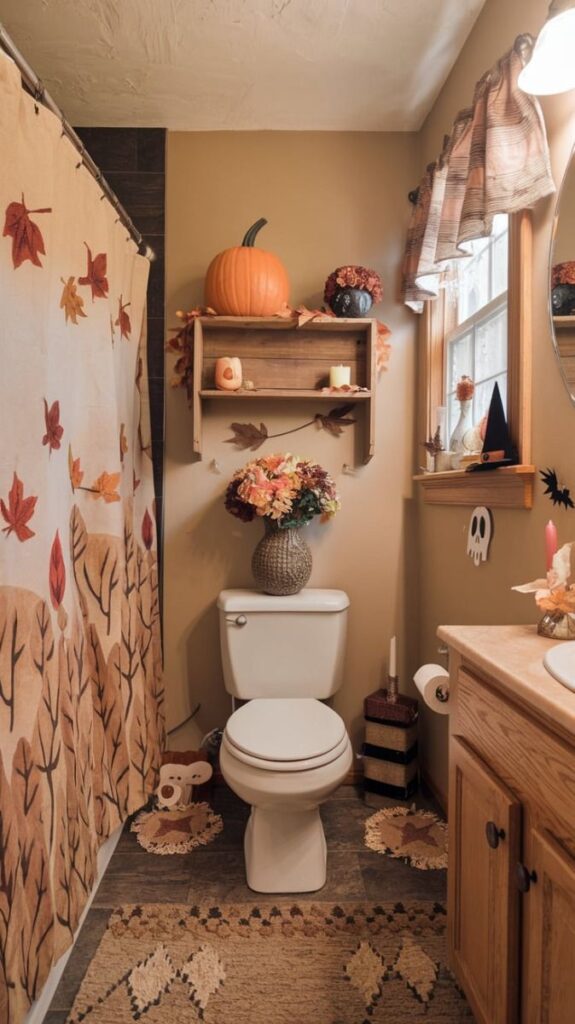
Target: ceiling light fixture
552,66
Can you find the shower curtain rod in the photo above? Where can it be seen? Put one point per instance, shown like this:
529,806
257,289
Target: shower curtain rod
41,95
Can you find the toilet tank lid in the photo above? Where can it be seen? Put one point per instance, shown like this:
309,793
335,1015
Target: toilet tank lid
308,600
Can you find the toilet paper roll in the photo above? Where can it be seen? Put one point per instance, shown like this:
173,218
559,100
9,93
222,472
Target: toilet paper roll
432,681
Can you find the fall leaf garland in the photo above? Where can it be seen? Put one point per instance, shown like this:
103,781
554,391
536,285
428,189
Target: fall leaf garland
248,436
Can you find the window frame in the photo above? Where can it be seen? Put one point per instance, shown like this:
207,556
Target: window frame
509,486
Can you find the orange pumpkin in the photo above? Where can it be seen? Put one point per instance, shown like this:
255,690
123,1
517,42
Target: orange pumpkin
245,281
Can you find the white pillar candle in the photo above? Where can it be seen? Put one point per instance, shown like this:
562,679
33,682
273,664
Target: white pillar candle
339,375
392,671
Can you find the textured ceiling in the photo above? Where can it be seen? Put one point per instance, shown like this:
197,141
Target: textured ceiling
365,65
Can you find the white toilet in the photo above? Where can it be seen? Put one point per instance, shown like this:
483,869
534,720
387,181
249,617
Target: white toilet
284,752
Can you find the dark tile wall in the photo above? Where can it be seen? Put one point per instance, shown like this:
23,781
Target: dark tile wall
133,162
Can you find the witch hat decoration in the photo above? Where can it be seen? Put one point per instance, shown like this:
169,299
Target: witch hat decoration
497,447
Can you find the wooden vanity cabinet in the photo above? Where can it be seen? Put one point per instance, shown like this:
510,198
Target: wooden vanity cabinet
511,880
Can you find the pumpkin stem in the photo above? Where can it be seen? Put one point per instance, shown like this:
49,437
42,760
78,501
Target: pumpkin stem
250,235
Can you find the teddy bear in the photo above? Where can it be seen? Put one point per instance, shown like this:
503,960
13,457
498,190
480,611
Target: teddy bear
179,773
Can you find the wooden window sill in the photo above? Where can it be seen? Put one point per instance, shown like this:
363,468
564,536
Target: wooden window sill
508,487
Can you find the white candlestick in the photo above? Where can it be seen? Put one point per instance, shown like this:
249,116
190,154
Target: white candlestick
339,375
392,671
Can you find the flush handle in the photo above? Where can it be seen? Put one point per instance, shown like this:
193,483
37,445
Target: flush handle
239,620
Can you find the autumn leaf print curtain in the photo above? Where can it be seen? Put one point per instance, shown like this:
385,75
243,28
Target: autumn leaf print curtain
81,723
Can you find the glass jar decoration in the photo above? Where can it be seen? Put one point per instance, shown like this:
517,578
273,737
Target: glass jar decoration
464,394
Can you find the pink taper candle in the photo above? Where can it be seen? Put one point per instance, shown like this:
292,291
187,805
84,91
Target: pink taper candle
551,544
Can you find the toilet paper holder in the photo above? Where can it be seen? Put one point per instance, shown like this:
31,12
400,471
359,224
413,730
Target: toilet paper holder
442,693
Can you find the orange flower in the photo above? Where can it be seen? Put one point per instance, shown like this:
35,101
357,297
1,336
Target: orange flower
560,600
465,388
105,487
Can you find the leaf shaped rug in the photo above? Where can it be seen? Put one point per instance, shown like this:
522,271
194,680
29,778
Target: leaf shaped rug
178,830
272,963
415,836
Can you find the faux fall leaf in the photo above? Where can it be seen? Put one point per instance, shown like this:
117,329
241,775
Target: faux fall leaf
54,430
19,511
147,530
70,301
123,320
27,241
57,573
105,487
76,473
247,435
96,274
335,420
135,482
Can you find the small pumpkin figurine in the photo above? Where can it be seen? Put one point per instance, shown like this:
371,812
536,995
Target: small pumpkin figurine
228,373
245,280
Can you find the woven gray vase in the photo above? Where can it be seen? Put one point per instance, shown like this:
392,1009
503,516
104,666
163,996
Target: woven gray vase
281,562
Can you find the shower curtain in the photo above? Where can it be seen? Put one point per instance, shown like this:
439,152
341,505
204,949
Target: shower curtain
81,718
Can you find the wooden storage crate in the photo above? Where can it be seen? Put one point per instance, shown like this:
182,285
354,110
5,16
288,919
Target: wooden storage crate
390,761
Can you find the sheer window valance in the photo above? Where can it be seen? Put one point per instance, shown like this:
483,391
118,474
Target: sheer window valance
496,160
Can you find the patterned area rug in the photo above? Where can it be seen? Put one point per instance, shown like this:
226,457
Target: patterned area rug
417,837
311,963
178,830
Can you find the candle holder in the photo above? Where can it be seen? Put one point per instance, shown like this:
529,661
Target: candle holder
392,689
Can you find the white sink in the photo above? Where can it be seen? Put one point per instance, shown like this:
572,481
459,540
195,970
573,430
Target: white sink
560,662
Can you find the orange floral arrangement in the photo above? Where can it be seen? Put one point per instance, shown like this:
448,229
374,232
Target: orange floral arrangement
563,273
353,277
465,389
555,593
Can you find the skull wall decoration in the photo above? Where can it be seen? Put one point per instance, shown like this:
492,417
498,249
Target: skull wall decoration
479,534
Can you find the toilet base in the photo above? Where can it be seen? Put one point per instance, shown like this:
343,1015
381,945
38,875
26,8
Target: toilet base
285,850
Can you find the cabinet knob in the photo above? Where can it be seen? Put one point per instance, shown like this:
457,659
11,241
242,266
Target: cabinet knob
494,834
524,878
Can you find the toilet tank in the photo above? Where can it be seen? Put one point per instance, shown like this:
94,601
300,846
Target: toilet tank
283,646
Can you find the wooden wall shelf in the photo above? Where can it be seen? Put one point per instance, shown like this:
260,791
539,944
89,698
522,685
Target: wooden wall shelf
286,363
507,487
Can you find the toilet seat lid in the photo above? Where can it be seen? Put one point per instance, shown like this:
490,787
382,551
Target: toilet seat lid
285,729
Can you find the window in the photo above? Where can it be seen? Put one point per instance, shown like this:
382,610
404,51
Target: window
476,322
481,326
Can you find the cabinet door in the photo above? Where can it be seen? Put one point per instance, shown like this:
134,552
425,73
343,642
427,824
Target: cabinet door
549,986
484,844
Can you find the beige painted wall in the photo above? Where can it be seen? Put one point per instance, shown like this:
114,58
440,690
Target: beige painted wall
452,590
330,198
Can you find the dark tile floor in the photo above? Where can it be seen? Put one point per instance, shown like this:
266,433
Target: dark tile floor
216,872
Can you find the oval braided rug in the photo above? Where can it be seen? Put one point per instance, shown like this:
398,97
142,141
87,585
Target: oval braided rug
178,830
415,836
304,963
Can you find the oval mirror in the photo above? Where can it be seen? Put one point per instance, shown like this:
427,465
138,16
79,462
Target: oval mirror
562,278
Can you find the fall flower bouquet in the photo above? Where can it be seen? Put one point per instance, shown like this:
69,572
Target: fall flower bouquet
285,489
353,277
555,596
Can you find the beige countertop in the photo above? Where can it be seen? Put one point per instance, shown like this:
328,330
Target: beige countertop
512,656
